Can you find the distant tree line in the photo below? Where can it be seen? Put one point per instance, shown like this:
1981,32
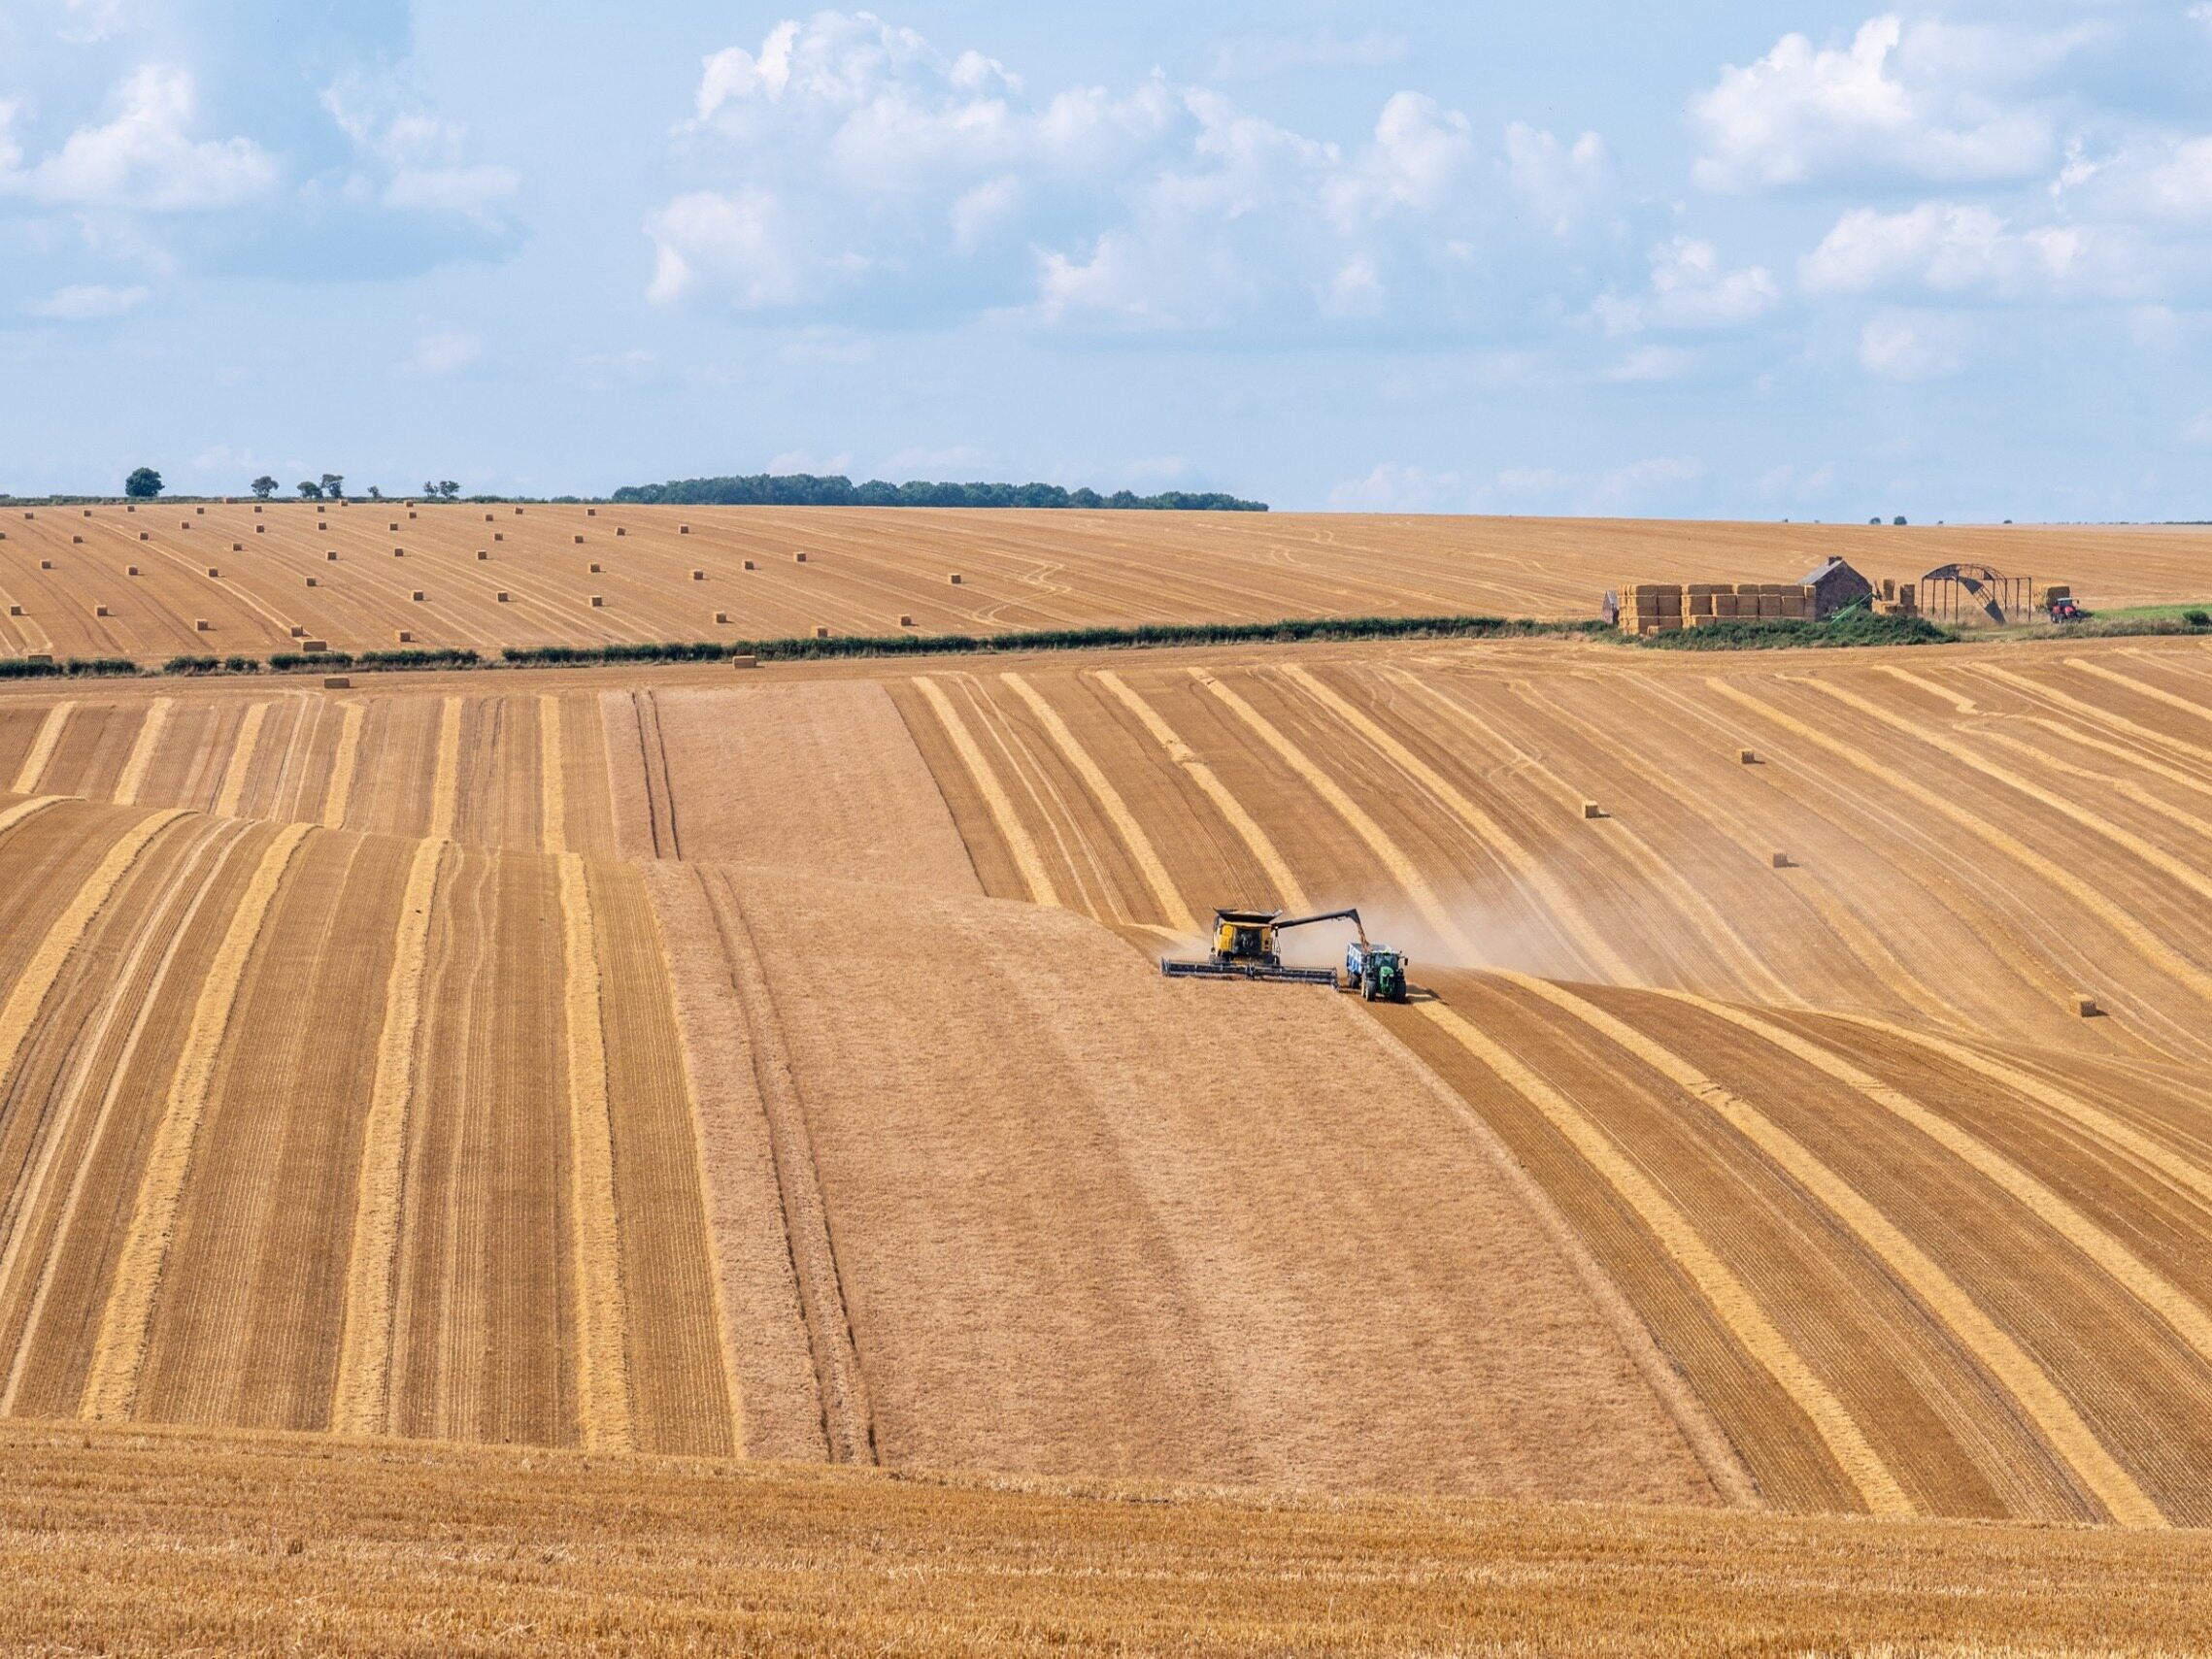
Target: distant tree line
804,490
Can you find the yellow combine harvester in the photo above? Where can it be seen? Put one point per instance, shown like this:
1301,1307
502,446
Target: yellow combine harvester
1245,948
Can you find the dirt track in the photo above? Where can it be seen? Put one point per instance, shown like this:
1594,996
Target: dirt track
865,568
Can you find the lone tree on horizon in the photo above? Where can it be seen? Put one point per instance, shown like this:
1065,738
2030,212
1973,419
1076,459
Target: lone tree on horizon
334,486
264,487
144,485
309,491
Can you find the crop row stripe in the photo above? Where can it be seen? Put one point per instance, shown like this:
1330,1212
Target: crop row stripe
111,1388
34,765
358,1401
1027,858
2085,897
1730,1299
241,762
37,979
2103,718
142,751
1288,890
2143,689
1563,912
1132,833
1408,876
1655,871
340,794
444,772
1992,1347
11,816
552,804
602,1378
2160,1295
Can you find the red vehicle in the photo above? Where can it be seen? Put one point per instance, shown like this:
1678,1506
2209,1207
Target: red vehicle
2067,611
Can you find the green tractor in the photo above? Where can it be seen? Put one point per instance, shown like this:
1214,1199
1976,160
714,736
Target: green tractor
1375,971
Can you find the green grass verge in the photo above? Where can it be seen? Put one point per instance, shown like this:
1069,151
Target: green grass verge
1855,627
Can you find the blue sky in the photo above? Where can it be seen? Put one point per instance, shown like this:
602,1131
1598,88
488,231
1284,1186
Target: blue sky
1699,260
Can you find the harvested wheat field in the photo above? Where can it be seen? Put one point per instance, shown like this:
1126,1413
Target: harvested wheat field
642,1066
157,580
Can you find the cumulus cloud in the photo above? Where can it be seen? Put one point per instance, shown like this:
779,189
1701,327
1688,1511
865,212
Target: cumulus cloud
1913,346
1690,288
845,152
145,156
411,160
1561,184
1391,487
1926,101
90,301
1947,246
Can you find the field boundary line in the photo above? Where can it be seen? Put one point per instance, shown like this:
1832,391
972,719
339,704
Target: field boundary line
218,844
241,762
118,1352
602,1361
1565,917
1402,869
40,753
1992,1347
134,768
1289,891
11,816
35,982
338,796
444,772
1132,833
2147,944
552,804
361,1389
1730,1298
1019,842
2145,1283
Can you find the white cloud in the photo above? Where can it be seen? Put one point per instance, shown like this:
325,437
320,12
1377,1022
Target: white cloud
1649,363
2164,181
1256,57
90,301
1390,488
1691,289
981,209
1928,101
1639,487
411,159
444,353
1563,184
1913,346
1946,247
737,240
143,157
91,21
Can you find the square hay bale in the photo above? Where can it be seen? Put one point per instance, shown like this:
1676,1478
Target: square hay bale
322,523
418,596
798,558
77,541
682,529
99,610
597,600
312,583
183,524
579,541
698,576
201,625
39,659
590,512
261,529
128,509
1700,604
337,682
134,510
298,632
88,512
722,619
596,571
330,553
403,635
502,597
238,546
46,564
904,620
820,633
744,660
956,579
399,553
415,516
130,570
1747,757
499,535
2085,1006
1591,810
201,510
1778,861
621,530
749,564
518,512
393,525
482,553
487,517
213,571
313,648
145,536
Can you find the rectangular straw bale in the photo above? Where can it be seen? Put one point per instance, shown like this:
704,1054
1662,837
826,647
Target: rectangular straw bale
403,635
798,558
596,599
337,682
698,576
313,648
298,632
956,579
749,564
503,599
722,619
596,571
744,661
2085,1006
682,529
418,596
200,625
820,633
130,570
484,553
99,610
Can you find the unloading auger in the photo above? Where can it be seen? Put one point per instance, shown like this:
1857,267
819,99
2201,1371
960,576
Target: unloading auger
1245,948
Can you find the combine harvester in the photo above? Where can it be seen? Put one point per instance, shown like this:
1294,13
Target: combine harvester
1245,948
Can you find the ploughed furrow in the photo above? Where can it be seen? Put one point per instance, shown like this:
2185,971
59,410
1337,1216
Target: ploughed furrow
119,1351
679,1390
168,922
484,1299
1992,1348
245,1328
603,1402
32,767
361,1394
131,785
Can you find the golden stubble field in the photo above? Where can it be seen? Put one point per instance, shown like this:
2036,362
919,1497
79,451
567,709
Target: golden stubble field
773,1066
113,580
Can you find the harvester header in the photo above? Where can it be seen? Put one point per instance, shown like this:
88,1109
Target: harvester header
1245,946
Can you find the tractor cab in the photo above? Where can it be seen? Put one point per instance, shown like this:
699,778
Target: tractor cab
1376,972
2067,611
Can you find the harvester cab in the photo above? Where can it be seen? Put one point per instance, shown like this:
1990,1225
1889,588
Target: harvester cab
1246,947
